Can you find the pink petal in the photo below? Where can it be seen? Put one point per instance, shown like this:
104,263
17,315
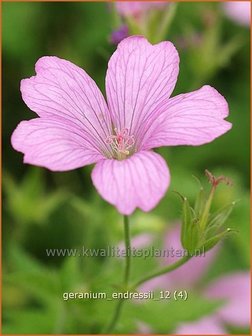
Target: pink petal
61,88
56,144
139,78
235,289
139,181
209,325
126,8
238,11
193,119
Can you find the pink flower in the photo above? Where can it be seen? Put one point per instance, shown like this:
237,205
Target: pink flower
134,8
233,289
209,325
118,35
76,127
238,11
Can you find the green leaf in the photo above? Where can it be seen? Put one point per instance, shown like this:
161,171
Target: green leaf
27,201
33,277
30,321
70,274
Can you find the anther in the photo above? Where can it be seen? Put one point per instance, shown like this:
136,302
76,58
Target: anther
121,143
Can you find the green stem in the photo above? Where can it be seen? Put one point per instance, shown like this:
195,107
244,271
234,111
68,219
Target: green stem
119,305
115,317
128,251
164,270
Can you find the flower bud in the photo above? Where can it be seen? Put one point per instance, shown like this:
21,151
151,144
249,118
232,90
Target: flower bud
189,231
202,230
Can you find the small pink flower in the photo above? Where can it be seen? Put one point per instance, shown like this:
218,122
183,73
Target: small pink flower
238,11
134,8
76,127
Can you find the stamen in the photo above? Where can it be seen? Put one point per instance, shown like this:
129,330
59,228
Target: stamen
121,143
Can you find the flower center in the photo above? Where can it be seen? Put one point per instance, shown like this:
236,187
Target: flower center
121,143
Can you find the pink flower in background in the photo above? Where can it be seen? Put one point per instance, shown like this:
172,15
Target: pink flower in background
134,8
77,127
233,288
238,11
118,35
209,325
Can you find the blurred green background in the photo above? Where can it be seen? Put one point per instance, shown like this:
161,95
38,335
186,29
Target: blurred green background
62,210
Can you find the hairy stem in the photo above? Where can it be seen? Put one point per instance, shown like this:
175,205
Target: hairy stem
128,251
119,305
115,317
126,286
